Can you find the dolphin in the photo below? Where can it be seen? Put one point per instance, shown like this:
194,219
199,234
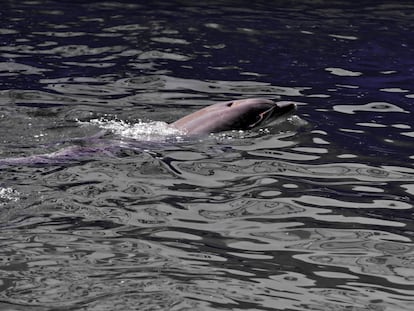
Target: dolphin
243,114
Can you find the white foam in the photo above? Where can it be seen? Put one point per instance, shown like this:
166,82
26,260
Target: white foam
148,131
8,194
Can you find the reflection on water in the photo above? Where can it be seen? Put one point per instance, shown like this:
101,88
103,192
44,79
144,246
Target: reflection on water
104,207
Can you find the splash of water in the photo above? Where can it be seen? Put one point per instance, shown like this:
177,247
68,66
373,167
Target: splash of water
143,131
8,195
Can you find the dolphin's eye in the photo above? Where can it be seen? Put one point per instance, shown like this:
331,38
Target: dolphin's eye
230,104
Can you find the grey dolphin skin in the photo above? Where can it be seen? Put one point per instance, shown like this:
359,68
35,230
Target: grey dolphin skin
243,114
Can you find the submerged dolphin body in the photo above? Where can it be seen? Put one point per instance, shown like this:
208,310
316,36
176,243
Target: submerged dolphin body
243,114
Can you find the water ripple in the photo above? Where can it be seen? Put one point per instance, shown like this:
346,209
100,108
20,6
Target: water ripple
359,172
314,213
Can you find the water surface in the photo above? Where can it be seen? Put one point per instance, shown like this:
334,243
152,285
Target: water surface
313,214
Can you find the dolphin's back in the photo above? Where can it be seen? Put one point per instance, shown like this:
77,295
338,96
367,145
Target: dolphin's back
207,120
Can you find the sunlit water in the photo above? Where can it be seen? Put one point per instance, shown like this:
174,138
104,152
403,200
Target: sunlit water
103,206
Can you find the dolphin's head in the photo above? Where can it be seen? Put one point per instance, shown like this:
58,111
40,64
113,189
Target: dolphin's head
241,114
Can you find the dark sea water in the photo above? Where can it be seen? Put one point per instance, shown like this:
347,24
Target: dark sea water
315,213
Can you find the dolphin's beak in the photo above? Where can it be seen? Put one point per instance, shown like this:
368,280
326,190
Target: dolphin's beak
277,110
285,107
